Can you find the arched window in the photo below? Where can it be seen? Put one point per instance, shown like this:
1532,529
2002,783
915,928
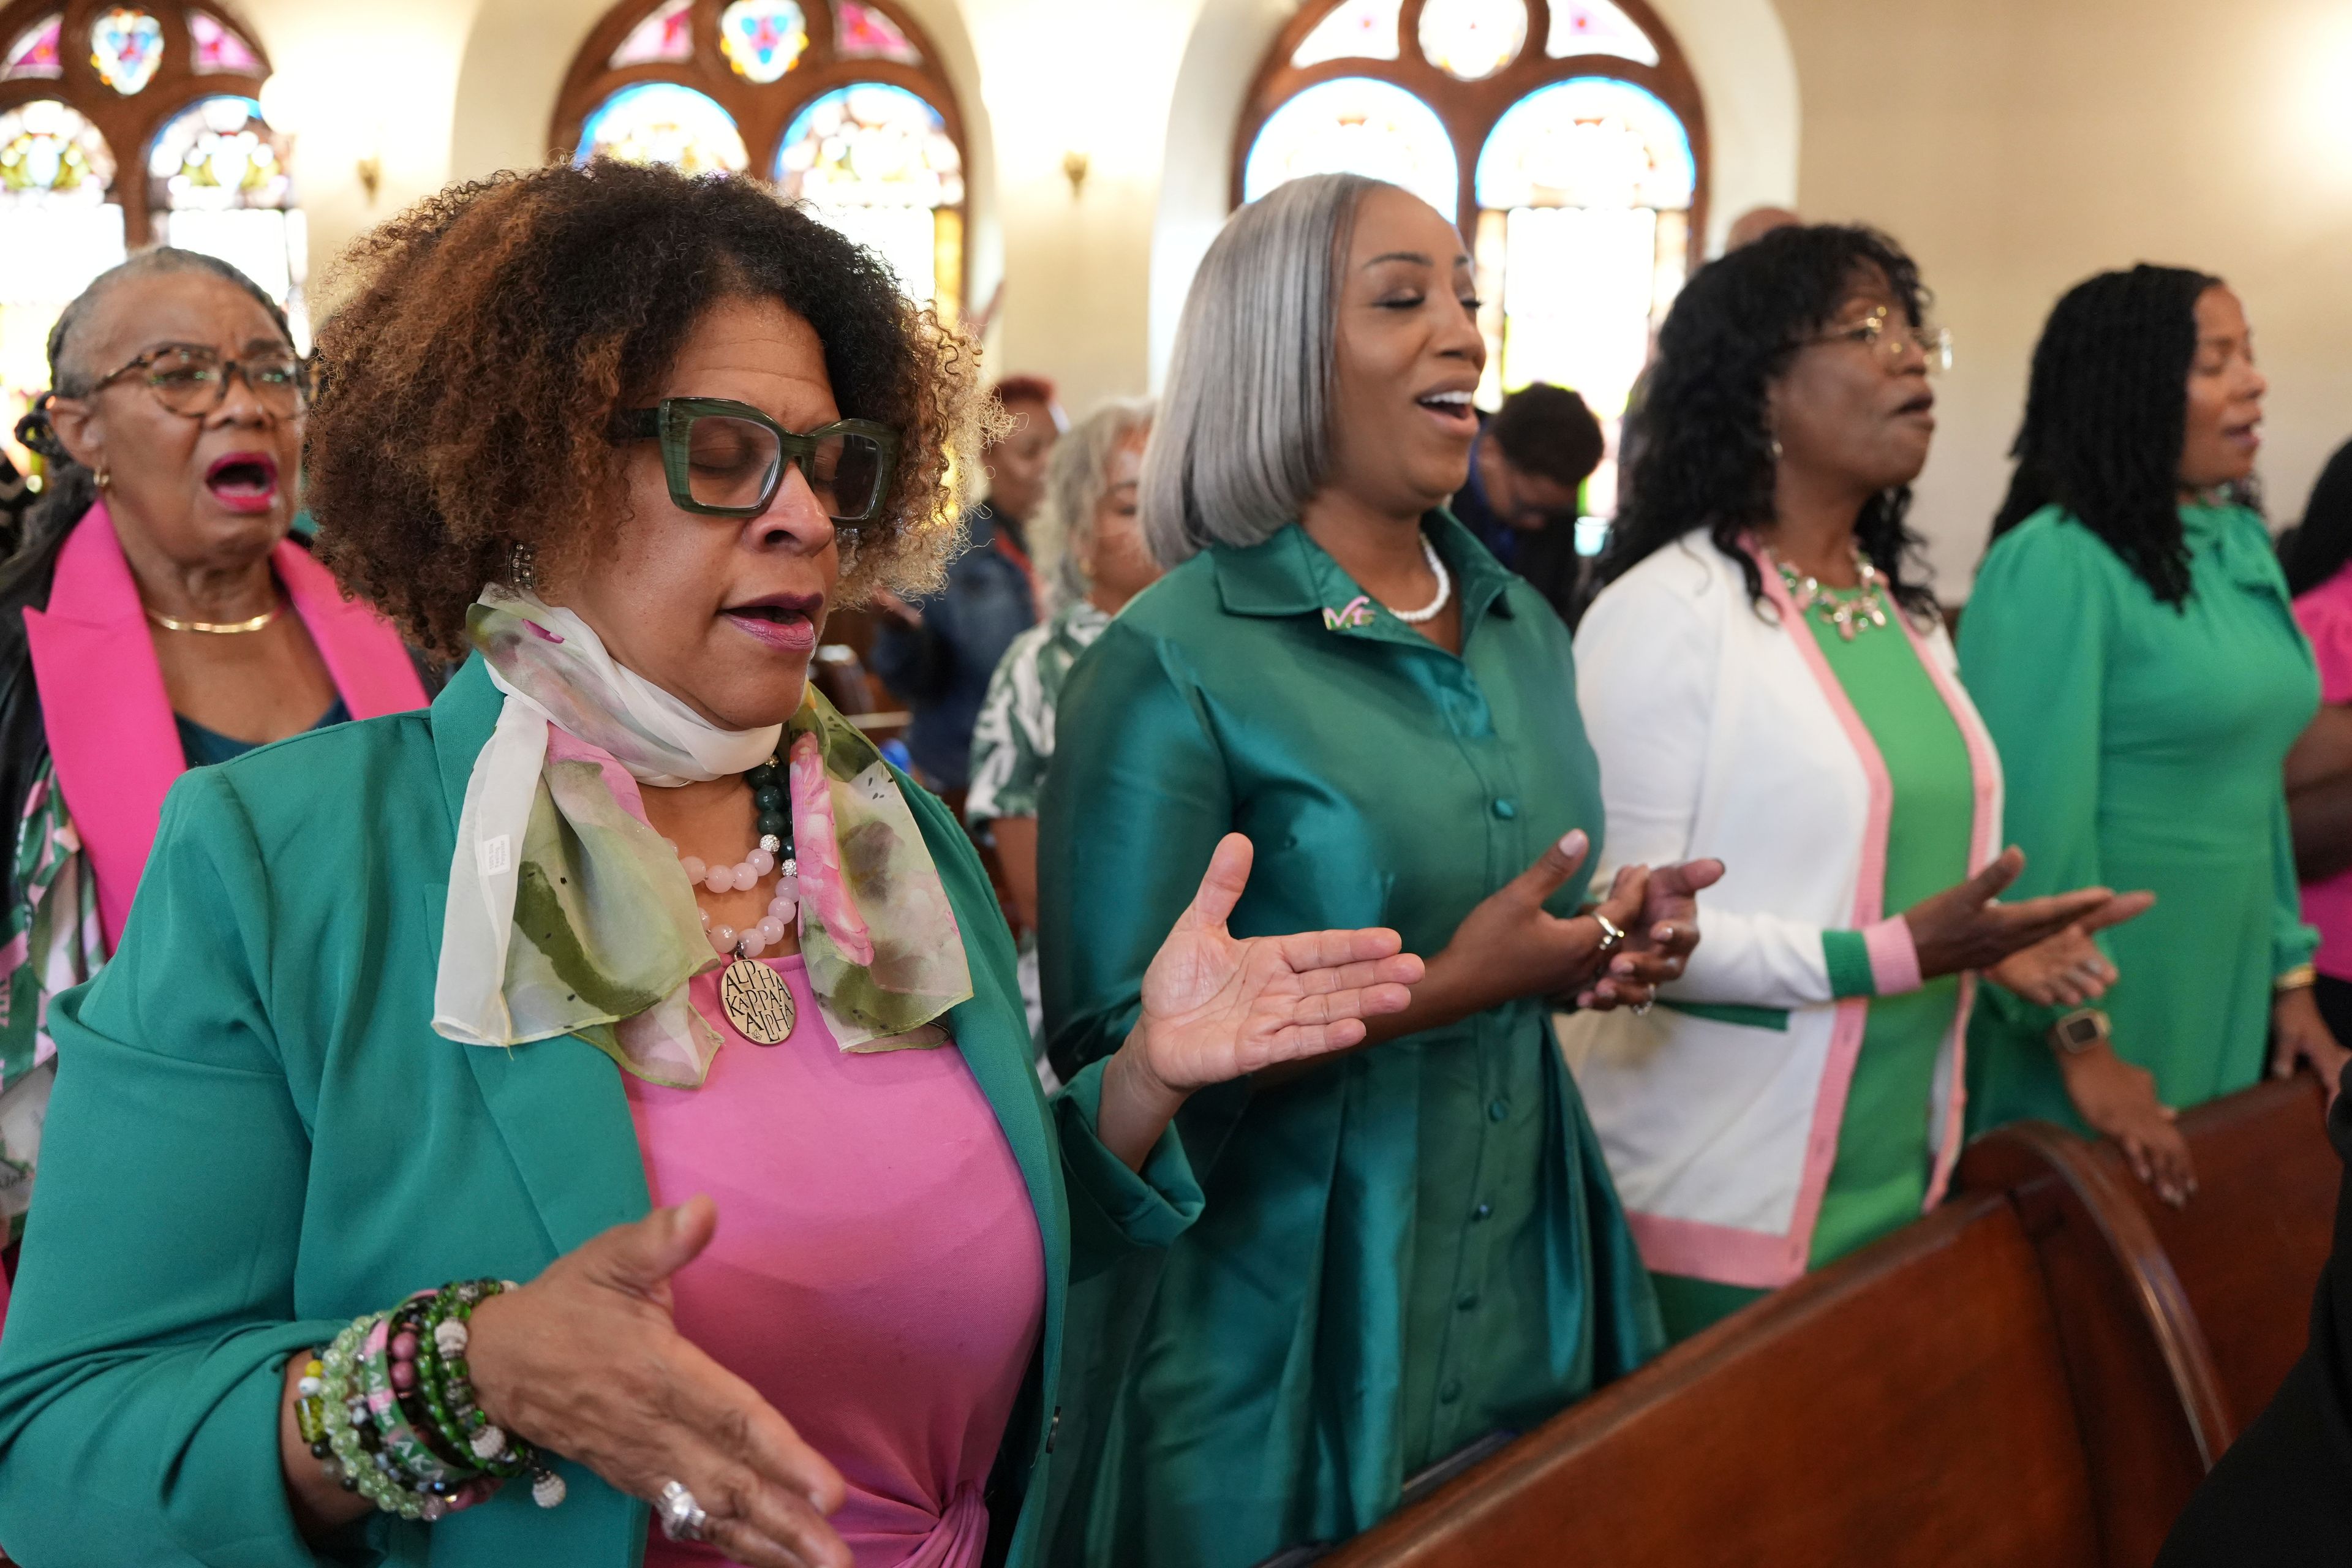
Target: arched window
94,96
1564,136
839,102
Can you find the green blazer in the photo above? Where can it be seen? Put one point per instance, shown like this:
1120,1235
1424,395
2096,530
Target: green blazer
256,1135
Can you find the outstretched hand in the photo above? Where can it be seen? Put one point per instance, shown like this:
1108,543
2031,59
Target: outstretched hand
1963,928
2068,970
1217,1006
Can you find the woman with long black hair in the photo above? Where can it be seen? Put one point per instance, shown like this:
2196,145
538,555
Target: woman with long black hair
2131,647
1766,683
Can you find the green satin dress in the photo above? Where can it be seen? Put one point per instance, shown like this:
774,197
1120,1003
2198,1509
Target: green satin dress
1402,1252
2142,746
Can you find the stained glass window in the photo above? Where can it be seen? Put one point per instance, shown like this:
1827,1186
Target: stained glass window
1472,39
218,46
1356,125
35,53
666,33
762,39
59,232
125,47
662,122
877,162
1587,142
218,179
51,156
1584,189
1597,27
1361,30
862,33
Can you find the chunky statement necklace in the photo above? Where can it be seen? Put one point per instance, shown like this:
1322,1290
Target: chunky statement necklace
1445,589
758,1002
216,628
1850,610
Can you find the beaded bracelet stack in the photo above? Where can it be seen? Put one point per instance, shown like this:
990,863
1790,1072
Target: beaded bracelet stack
389,1409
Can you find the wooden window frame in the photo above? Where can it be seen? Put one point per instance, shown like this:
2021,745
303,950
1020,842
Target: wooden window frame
129,124
1470,110
762,112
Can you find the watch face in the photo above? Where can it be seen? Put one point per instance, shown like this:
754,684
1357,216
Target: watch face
2080,1032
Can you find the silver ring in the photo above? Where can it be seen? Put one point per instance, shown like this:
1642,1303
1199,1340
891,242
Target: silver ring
1640,1008
682,1517
1612,938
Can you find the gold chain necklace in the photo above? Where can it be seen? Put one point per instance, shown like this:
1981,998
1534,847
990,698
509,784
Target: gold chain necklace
216,628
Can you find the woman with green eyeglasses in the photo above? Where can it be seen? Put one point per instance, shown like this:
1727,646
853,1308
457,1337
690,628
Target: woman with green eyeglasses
378,1219
156,619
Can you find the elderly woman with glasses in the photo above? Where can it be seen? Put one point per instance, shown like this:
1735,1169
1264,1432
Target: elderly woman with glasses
1090,553
1413,1248
1768,682
631,919
155,619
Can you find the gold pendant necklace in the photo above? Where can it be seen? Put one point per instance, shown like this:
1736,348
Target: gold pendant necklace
758,1002
215,628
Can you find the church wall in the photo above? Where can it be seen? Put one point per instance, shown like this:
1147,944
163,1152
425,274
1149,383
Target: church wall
2017,146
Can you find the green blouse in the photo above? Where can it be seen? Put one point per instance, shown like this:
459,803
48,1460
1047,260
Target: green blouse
1400,1252
2142,747
1884,1156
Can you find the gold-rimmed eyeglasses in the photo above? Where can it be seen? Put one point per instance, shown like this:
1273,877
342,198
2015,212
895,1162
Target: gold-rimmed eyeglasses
1878,333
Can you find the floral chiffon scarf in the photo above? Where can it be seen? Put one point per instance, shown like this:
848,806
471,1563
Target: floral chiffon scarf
568,914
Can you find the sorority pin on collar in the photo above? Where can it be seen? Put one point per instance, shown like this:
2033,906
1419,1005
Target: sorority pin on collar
1357,612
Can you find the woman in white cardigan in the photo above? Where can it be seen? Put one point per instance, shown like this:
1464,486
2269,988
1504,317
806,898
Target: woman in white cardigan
1765,687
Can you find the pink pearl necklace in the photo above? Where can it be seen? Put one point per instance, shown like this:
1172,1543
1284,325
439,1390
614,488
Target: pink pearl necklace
783,908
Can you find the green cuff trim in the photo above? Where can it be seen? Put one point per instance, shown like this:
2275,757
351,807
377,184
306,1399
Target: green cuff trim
1146,1208
1848,953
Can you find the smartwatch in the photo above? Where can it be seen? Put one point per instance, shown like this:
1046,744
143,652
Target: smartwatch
2079,1031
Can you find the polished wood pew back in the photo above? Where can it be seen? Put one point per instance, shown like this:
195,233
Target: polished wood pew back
1907,1407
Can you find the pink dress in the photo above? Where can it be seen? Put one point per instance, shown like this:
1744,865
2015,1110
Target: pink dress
2325,617
876,1274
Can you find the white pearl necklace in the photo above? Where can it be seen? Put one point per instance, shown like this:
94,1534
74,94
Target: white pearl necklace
783,908
1445,589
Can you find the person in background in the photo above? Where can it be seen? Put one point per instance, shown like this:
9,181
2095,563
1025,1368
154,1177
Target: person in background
2316,556
2132,648
155,619
506,991
1767,684
1092,559
1416,1246
939,651
1526,473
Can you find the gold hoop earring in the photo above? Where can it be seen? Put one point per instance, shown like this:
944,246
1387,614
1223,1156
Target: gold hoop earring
105,476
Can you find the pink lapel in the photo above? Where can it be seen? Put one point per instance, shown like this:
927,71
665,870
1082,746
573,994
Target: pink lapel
370,665
111,734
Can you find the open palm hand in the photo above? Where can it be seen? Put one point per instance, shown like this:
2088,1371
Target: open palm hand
1216,1006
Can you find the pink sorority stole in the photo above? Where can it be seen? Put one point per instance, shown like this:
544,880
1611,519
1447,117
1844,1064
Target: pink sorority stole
877,1273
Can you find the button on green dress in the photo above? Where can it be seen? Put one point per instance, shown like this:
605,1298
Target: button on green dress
1403,1251
2142,746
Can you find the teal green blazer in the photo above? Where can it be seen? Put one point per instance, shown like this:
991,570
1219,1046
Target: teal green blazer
256,1135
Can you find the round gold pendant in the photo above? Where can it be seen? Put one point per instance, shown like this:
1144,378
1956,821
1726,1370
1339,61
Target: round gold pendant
758,1002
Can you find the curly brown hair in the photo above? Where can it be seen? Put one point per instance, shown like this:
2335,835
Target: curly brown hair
468,389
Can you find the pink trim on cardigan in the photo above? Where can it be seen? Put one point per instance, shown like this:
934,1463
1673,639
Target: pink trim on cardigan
1869,897
1984,773
108,720
1894,956
1726,1254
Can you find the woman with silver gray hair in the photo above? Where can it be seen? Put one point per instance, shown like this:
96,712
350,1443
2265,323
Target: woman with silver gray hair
1417,1245
1088,545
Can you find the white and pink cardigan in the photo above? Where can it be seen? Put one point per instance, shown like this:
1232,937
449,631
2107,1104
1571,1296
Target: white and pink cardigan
1723,732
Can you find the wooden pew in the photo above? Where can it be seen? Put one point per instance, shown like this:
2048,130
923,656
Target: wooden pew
2229,1278
1910,1405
